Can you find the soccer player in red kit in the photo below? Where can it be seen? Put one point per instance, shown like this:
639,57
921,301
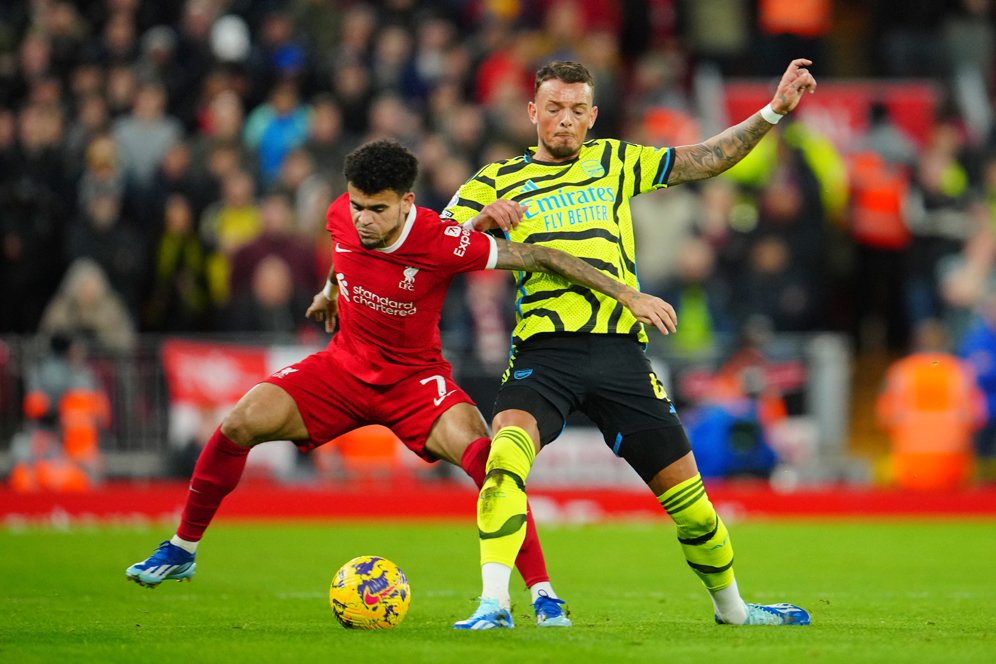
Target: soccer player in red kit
392,265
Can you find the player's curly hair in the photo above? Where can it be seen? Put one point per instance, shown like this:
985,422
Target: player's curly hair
379,165
566,71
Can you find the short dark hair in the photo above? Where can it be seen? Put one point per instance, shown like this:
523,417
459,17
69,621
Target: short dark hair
566,71
379,165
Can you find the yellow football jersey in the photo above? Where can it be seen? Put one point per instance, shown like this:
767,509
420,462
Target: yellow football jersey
580,207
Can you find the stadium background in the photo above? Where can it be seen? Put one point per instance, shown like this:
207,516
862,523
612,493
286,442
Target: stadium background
164,169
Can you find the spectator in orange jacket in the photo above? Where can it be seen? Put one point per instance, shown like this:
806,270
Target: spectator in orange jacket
931,407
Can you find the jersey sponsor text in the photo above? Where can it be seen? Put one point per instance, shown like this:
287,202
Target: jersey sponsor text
385,305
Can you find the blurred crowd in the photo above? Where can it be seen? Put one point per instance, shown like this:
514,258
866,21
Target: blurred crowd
165,166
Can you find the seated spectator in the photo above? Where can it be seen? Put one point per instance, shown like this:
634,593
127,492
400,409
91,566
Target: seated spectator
86,307
177,174
699,298
940,216
278,238
92,120
270,305
178,297
221,122
122,84
101,172
103,234
227,225
276,127
659,246
144,135
35,206
327,142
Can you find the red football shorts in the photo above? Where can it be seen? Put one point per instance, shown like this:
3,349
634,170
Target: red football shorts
333,401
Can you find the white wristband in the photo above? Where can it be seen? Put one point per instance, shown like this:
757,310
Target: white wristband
329,290
770,115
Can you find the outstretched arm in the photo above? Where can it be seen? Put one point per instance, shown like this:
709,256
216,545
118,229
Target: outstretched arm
647,309
721,152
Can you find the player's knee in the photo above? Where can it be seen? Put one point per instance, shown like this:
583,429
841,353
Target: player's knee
238,427
651,452
696,518
517,419
697,523
512,453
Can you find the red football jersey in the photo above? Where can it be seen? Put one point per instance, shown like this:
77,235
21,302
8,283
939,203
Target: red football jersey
390,299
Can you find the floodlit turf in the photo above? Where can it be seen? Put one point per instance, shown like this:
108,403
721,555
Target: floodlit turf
878,592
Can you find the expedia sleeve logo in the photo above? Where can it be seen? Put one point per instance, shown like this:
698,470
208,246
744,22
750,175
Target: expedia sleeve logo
464,235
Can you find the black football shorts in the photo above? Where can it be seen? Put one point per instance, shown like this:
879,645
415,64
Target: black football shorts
606,377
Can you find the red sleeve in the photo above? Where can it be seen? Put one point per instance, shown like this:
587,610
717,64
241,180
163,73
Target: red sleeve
463,250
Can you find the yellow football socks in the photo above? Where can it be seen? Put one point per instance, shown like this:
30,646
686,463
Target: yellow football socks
701,532
501,507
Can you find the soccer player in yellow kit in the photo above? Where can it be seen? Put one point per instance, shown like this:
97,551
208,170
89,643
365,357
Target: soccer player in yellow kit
574,349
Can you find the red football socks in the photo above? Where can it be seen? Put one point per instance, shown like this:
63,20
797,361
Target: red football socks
216,474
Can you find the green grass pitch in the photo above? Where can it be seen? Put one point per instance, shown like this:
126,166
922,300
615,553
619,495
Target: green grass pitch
879,591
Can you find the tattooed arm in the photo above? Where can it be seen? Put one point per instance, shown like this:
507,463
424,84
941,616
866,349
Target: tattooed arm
717,154
535,258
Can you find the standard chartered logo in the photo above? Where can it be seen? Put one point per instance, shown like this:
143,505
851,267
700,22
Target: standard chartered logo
385,305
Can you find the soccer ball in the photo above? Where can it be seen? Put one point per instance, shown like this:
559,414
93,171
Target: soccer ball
369,592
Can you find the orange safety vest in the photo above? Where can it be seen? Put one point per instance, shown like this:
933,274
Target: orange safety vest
878,197
82,414
804,18
930,407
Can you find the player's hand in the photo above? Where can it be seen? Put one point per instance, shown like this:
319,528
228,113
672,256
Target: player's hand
795,82
651,310
501,214
324,309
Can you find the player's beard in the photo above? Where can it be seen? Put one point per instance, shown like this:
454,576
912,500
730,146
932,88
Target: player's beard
563,149
387,238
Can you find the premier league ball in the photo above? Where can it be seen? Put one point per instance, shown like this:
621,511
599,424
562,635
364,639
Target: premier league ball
369,592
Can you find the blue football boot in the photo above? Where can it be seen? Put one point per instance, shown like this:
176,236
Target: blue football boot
774,614
551,612
167,562
487,616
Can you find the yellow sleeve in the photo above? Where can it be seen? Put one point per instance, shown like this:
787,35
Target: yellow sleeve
471,198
